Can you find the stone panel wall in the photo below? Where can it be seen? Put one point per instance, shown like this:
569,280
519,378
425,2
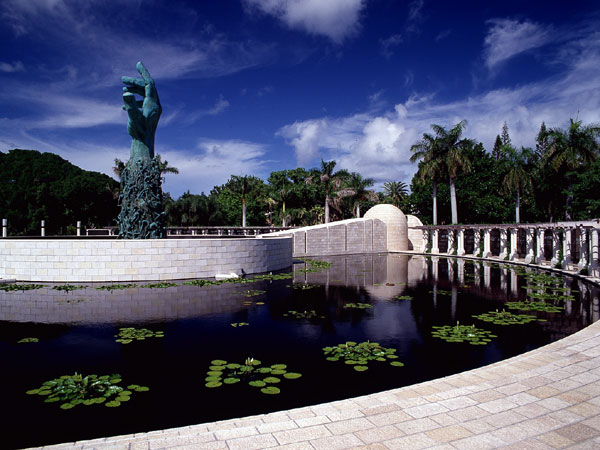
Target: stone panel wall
139,260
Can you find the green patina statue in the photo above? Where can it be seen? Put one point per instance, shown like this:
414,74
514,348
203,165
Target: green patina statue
142,215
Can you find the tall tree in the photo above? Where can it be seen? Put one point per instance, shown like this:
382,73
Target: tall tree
541,141
497,150
505,137
396,191
330,180
518,177
454,149
357,189
281,187
570,150
431,166
243,186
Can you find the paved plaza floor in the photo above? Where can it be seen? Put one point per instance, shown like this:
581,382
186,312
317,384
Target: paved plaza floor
548,398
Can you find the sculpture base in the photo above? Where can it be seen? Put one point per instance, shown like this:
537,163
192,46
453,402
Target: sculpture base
141,201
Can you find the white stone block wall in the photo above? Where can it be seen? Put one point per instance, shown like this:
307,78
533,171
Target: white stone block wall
92,260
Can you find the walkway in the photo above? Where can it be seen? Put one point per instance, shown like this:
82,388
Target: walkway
546,399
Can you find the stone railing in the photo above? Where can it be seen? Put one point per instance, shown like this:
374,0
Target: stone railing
567,245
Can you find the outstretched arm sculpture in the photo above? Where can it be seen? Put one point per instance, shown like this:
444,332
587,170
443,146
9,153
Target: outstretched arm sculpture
141,124
142,215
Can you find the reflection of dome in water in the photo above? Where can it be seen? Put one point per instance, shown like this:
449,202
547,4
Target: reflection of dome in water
395,221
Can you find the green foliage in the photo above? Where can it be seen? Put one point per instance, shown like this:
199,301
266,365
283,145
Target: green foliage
11,287
130,334
507,318
463,333
73,390
28,340
359,355
38,186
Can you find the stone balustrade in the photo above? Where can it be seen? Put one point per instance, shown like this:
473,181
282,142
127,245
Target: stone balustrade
566,245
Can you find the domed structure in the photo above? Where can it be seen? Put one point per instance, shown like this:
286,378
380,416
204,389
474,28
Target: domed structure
396,225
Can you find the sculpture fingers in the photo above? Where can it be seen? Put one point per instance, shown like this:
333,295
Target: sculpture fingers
133,81
134,89
143,72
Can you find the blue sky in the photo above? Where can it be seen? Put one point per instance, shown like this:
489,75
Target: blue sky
252,86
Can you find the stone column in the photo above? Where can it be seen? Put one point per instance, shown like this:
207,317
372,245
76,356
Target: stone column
530,234
514,287
486,275
487,252
567,247
461,270
43,228
503,250
503,281
434,241
461,242
4,228
78,228
476,241
450,249
540,246
434,268
583,249
514,232
450,269
594,253
425,239
555,246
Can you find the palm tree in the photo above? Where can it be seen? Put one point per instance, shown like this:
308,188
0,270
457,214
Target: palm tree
431,167
396,191
517,178
570,150
331,182
240,185
453,149
357,188
282,187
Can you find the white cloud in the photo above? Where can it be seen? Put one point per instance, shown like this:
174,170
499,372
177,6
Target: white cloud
220,106
336,19
389,44
16,66
507,38
211,164
378,145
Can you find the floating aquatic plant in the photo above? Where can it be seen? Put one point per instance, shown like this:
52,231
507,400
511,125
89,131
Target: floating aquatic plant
251,372
312,314
357,306
359,355
28,340
112,287
162,285
72,390
463,333
68,287
507,318
402,297
304,287
534,306
315,265
130,334
20,287
240,324
441,292
253,293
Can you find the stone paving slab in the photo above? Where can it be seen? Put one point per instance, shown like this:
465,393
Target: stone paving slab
548,398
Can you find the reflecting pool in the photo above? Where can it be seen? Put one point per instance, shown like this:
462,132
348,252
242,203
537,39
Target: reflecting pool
211,351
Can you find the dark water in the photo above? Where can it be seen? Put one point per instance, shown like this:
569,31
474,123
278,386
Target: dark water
76,334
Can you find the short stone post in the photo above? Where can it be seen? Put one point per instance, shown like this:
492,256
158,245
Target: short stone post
43,230
555,246
567,247
540,245
461,242
4,228
530,245
435,241
78,228
503,250
487,250
476,241
514,232
450,249
583,249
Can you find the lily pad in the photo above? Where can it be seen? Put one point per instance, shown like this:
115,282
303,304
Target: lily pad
270,390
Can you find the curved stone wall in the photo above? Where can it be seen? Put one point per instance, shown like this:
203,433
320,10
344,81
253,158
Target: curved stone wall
72,260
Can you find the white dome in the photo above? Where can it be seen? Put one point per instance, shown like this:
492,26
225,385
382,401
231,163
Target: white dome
396,225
